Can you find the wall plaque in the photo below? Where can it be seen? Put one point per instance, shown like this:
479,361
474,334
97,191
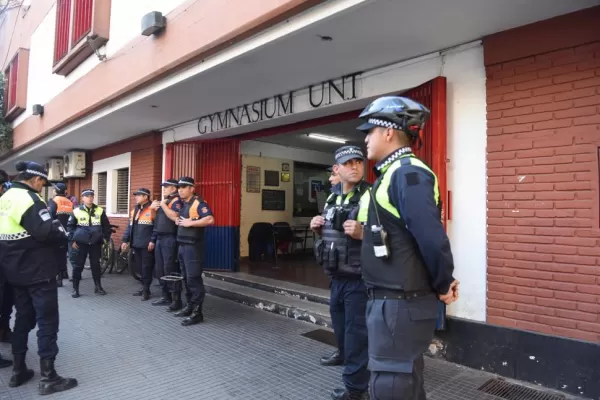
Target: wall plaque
252,179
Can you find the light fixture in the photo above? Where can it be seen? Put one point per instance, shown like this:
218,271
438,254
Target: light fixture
153,23
37,109
326,138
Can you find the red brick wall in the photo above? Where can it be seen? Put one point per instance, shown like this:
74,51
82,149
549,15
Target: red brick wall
543,225
145,170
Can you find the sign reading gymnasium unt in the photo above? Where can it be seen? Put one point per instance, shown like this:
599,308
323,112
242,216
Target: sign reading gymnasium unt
333,91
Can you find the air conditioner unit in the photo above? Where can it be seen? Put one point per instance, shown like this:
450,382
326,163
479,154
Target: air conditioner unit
74,164
55,169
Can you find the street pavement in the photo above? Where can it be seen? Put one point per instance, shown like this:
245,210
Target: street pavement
119,347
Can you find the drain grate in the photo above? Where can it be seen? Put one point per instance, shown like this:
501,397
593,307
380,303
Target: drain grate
323,336
511,391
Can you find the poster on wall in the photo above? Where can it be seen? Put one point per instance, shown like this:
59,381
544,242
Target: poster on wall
252,179
316,185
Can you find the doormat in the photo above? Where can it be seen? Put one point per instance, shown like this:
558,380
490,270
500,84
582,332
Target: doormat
511,391
321,335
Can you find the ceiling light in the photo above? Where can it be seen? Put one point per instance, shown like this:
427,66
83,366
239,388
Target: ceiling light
326,138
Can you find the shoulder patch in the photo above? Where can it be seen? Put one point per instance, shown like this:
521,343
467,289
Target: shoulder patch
412,178
45,215
205,209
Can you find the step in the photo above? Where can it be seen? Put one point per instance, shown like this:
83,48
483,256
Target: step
309,293
289,306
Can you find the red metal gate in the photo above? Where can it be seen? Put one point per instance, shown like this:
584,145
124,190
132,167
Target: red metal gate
432,95
216,167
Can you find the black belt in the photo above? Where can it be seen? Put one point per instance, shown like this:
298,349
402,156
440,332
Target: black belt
389,294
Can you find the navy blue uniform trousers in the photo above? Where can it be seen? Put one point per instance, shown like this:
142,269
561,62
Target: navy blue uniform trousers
8,301
80,254
166,257
191,262
36,304
347,305
143,261
400,331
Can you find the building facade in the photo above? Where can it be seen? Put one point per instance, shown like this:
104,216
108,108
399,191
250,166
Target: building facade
219,91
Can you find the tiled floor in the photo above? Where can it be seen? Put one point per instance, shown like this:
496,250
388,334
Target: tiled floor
121,348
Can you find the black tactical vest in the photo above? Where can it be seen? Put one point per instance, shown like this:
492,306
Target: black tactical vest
404,269
189,235
162,224
338,253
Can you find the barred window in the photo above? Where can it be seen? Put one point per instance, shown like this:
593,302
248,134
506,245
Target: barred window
101,191
123,191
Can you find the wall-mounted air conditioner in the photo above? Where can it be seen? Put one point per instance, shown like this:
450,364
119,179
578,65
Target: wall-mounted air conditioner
55,169
74,164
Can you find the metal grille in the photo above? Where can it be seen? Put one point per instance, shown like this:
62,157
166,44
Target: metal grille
511,391
101,192
82,23
63,24
123,191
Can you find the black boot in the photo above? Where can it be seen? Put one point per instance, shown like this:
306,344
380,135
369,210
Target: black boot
339,394
186,311
98,287
145,293
165,300
176,304
75,293
333,360
21,373
5,363
195,318
51,382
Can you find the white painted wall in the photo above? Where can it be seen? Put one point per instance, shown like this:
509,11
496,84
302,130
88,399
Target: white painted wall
466,169
125,23
126,19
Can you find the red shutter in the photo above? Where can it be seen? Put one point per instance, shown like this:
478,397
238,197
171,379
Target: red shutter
12,83
82,23
432,95
63,28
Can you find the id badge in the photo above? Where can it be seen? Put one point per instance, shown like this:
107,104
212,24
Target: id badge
379,237
330,214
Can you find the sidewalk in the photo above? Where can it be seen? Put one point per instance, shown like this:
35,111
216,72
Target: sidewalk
119,347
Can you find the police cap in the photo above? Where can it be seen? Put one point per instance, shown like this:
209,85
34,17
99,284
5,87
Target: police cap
170,182
186,181
142,191
32,168
60,188
87,192
347,153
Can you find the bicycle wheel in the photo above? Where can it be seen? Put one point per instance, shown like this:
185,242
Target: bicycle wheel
106,255
122,261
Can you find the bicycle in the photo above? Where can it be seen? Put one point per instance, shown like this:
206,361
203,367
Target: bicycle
107,253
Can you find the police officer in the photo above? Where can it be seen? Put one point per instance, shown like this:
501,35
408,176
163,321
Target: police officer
339,254
28,235
88,228
61,208
406,257
165,232
6,292
334,177
194,216
140,236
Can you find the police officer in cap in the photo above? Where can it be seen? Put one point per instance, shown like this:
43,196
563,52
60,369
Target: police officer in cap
28,237
61,208
406,257
88,228
195,215
165,231
6,292
338,251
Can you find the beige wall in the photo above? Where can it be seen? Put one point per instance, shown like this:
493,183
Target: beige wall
251,202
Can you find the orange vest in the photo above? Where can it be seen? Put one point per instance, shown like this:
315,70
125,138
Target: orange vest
143,217
63,205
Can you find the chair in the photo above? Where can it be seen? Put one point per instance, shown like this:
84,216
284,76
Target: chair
284,236
261,241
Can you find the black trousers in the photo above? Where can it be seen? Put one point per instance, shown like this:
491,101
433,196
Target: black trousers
36,304
143,261
8,301
81,254
191,261
166,260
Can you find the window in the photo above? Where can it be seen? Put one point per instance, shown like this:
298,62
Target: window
110,180
311,188
101,192
123,191
15,85
77,23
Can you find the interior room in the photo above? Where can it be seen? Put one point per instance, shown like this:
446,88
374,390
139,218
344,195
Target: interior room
285,182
